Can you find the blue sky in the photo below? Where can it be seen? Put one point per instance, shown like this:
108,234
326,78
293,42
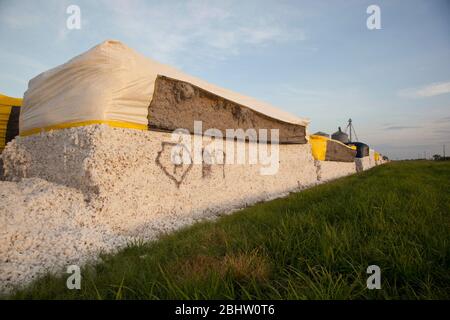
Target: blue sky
316,59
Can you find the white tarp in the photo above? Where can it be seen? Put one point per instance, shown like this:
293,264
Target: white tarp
111,82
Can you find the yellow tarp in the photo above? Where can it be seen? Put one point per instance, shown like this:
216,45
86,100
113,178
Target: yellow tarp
111,123
377,156
318,146
6,105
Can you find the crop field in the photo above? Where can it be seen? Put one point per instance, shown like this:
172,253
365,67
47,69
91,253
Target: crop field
314,244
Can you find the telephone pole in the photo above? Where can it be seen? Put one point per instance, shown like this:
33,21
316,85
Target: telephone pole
443,149
352,130
350,125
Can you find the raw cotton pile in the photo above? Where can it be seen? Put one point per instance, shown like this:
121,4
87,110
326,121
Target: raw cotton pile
363,164
372,162
328,170
105,186
90,187
134,168
46,227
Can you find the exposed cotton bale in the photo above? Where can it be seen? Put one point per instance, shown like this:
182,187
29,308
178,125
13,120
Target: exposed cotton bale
363,163
105,186
97,182
123,166
328,170
46,227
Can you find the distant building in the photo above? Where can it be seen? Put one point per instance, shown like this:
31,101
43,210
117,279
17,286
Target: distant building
320,133
340,136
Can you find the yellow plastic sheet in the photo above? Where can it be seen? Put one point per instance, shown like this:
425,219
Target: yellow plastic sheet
6,105
318,147
377,156
112,123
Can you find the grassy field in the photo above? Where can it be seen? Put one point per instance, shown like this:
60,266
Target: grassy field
316,244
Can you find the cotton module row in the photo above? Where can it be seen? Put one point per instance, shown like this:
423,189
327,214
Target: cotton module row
114,85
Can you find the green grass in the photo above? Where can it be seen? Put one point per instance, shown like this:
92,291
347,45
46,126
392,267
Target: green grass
315,244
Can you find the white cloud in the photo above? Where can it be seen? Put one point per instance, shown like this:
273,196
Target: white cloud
430,90
207,28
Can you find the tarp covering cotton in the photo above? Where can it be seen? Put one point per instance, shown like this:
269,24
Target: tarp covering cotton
376,156
361,148
326,149
112,84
